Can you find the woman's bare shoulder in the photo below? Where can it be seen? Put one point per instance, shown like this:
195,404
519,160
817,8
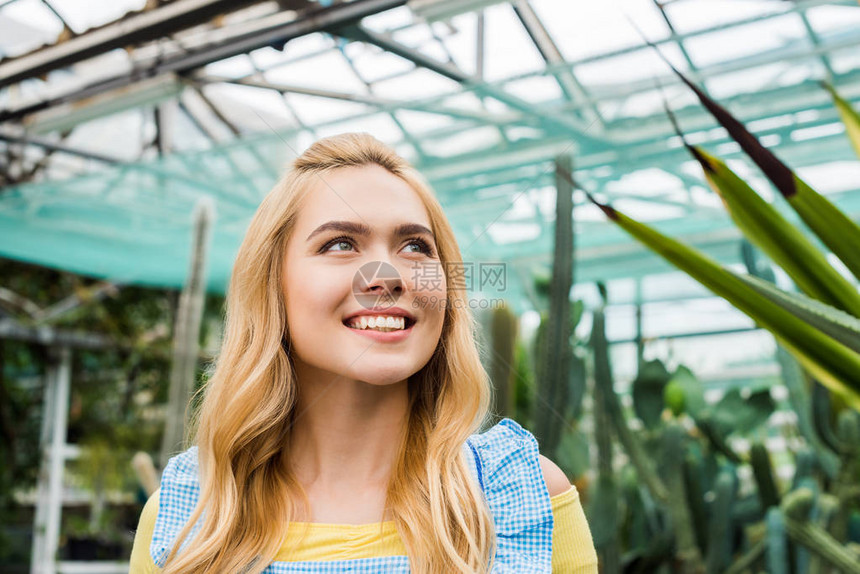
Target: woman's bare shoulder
556,480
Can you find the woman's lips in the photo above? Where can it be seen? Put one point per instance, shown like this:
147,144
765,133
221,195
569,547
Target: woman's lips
384,336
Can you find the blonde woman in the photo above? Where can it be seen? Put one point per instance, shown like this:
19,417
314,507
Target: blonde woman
338,432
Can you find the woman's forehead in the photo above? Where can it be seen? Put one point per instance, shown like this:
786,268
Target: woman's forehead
366,194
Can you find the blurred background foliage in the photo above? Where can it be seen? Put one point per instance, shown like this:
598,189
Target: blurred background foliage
115,405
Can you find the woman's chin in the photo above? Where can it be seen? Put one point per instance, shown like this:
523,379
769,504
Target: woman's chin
382,375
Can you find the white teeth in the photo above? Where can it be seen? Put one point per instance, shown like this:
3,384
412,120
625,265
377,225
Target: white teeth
381,323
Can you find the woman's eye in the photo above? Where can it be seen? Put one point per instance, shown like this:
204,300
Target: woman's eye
339,242
423,246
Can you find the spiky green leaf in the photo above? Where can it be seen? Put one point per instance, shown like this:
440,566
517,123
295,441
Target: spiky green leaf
837,324
789,248
834,364
838,232
849,116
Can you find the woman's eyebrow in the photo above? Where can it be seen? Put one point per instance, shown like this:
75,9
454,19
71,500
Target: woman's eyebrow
362,229
412,229
342,226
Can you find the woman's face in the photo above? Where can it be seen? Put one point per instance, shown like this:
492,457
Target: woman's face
362,245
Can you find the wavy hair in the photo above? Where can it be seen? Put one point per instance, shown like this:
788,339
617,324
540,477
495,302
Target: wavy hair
247,488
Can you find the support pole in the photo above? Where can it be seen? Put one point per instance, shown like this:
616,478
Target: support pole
49,505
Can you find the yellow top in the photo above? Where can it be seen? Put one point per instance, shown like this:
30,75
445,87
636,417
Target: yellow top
572,547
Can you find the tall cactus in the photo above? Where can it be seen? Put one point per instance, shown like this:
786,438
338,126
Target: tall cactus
502,374
603,503
186,341
553,385
687,553
719,552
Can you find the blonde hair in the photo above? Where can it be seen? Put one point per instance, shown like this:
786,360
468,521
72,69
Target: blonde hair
249,493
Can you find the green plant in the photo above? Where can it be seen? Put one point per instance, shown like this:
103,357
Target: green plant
805,528
101,468
554,350
503,332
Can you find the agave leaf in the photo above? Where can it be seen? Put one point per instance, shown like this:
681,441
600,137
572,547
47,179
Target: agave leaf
849,116
832,226
834,364
837,324
838,232
762,224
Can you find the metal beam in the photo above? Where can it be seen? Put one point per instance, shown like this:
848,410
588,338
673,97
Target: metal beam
568,83
58,148
383,104
227,42
549,122
139,28
65,113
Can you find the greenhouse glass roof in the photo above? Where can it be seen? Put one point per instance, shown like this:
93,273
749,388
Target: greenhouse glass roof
117,117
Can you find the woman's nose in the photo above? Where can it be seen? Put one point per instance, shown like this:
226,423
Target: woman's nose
377,283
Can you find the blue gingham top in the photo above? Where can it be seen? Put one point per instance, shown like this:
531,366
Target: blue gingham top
505,463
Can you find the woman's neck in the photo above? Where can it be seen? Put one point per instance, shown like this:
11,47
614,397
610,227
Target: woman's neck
346,434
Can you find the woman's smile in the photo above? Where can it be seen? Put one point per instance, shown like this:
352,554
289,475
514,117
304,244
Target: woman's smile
389,325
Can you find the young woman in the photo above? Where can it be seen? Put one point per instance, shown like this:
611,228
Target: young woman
338,431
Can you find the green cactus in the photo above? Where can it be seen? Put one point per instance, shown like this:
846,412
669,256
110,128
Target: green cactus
719,552
797,506
555,358
524,380
687,553
776,553
715,439
748,559
603,380
503,329
647,391
805,462
801,403
763,473
603,503
822,416
827,508
747,510
845,486
693,471
641,519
